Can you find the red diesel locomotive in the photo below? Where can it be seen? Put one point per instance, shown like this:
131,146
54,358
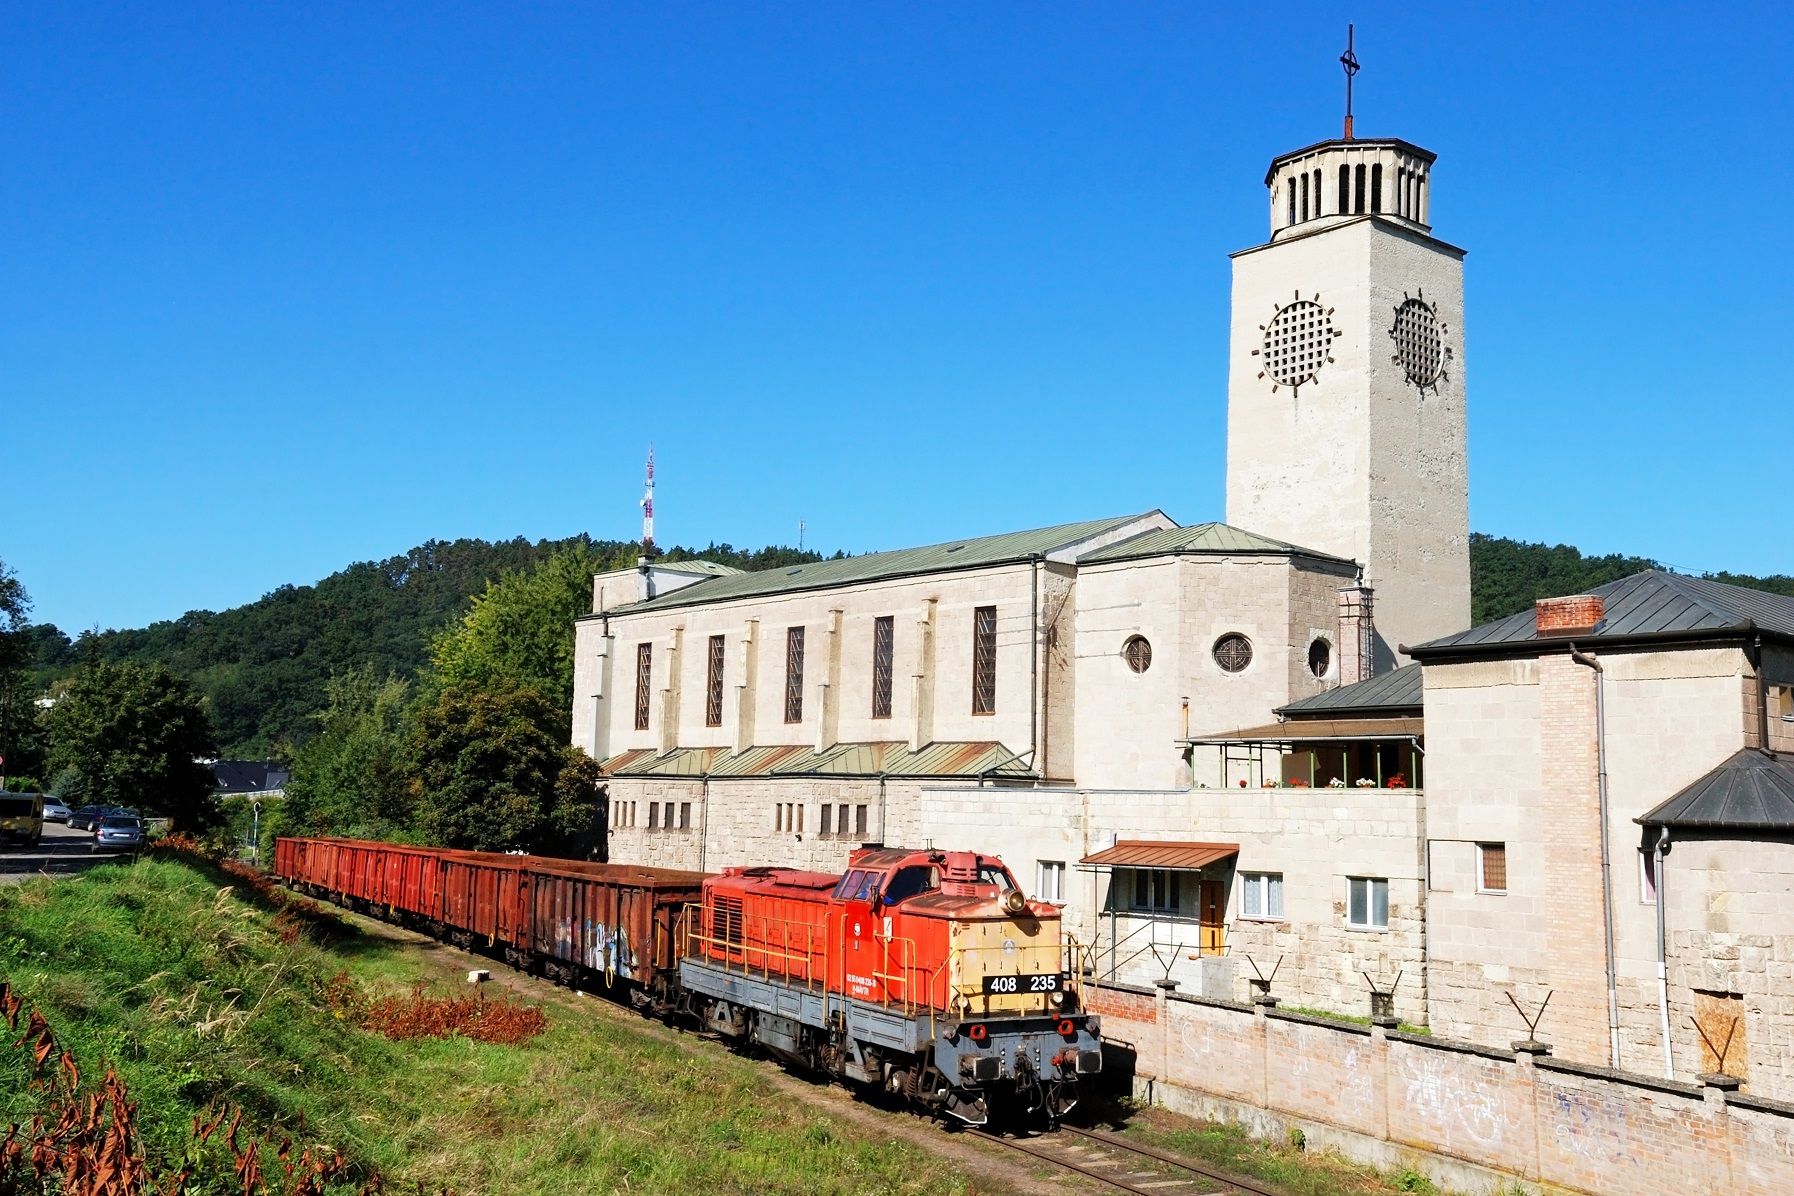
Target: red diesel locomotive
925,973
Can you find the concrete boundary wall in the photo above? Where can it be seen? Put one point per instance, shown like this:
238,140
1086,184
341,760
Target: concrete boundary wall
1474,1119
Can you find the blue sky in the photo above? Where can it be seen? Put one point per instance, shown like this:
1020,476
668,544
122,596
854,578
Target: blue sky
292,286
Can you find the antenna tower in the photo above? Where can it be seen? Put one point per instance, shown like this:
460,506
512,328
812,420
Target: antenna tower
648,506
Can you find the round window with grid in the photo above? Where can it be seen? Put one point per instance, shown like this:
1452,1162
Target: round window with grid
1419,342
1297,342
1138,653
1233,652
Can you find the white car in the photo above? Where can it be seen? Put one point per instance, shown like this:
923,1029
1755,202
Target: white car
55,811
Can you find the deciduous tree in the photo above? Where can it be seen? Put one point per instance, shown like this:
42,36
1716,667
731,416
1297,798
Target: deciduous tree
490,776
138,734
352,777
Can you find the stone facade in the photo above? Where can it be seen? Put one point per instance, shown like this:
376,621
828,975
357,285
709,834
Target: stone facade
1128,722
1359,461
1512,761
1314,840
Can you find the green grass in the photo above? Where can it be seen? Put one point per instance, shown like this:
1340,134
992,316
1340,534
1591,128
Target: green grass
164,970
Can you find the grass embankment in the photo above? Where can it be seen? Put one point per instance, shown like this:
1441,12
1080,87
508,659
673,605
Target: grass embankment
185,982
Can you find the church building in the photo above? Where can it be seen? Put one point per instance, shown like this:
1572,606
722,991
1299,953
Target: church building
796,713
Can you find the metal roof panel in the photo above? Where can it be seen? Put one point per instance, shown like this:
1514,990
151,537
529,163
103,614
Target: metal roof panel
1176,857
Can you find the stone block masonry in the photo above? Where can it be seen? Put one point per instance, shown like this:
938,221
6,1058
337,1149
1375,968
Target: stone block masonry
1470,1118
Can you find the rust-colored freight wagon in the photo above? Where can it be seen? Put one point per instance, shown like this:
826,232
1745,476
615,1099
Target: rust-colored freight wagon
606,925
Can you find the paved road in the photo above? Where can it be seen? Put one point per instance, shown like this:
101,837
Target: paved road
61,852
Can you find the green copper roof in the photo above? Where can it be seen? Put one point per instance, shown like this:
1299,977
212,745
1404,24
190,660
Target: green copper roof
1217,538
948,759
972,553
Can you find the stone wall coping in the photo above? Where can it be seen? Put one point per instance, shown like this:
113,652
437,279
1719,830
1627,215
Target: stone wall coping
1211,1002
1326,1023
1631,1079
1120,986
1454,1045
1761,1104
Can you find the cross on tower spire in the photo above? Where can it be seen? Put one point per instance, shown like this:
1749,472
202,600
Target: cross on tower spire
1349,61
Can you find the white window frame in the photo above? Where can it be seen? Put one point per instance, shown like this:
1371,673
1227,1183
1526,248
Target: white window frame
1257,891
1049,878
1370,884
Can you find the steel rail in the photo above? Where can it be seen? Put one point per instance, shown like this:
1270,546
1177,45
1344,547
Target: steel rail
1157,1184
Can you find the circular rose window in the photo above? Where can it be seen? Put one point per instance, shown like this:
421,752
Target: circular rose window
1419,342
1138,653
1297,342
1233,652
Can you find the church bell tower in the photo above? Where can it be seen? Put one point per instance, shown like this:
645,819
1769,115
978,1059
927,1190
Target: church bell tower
1345,396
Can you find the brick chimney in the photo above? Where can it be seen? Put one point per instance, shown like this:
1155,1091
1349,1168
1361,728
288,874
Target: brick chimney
1357,632
1578,614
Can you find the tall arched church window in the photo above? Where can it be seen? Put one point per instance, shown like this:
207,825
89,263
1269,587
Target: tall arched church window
1358,191
1376,187
1304,195
1345,190
1291,182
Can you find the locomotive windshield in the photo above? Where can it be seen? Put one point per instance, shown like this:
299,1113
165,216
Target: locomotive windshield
910,881
857,885
995,874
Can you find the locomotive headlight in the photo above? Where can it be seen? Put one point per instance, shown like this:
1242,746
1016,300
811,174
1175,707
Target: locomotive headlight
1057,998
1014,902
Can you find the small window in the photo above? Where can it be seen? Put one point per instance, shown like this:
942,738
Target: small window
1358,189
1367,903
800,818
1291,184
1491,867
984,660
1155,890
859,821
794,675
883,642
822,827
1305,195
644,681
1320,657
1050,881
1647,877
1138,653
713,684
1261,895
684,815
1233,652
1345,189
1376,187
653,815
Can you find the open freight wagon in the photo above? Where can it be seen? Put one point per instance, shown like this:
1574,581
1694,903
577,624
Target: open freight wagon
596,925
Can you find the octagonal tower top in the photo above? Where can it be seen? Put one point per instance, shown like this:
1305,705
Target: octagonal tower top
1333,181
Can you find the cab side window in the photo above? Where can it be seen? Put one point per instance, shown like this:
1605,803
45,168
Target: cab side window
910,882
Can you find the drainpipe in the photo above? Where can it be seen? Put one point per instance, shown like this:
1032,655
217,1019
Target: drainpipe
1669,1063
1613,995
704,813
1034,662
1755,653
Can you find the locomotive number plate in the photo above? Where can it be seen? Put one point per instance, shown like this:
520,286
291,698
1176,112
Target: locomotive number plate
1046,982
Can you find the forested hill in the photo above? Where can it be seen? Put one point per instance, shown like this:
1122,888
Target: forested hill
1507,576
262,666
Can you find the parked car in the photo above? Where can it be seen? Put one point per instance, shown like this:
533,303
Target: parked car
118,830
21,817
55,811
88,818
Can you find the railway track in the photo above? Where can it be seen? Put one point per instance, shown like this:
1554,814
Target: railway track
1125,1166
